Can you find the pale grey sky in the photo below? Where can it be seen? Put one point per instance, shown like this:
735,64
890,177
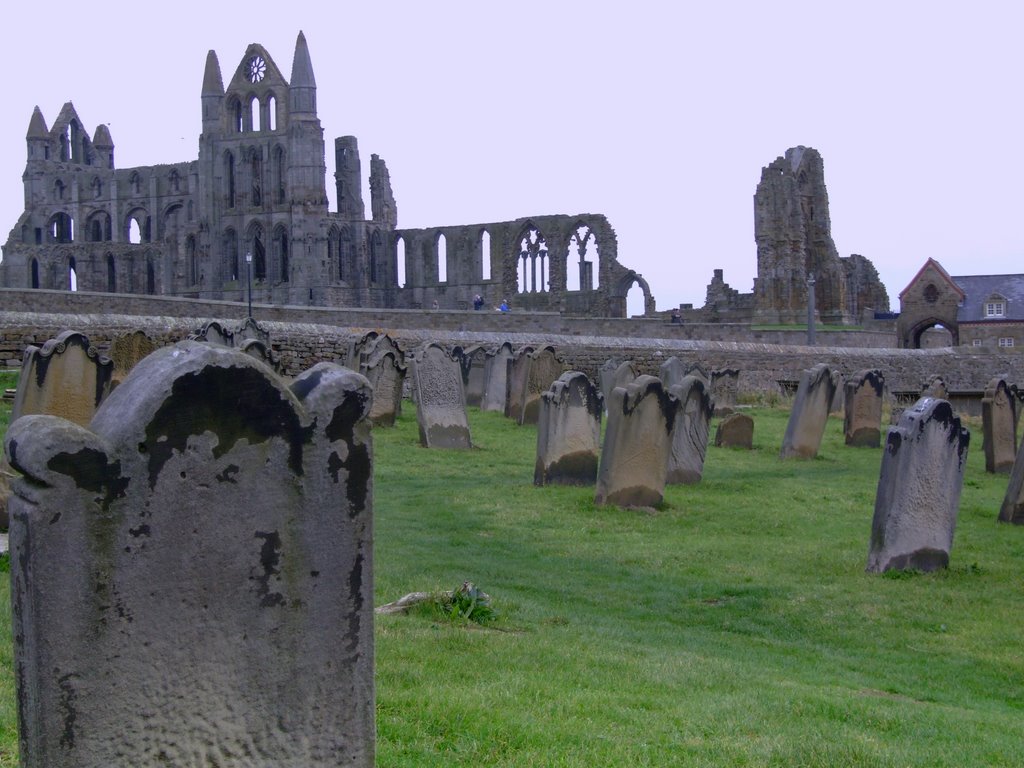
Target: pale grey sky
659,115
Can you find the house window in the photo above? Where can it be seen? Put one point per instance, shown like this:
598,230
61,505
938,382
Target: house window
995,309
976,342
1006,341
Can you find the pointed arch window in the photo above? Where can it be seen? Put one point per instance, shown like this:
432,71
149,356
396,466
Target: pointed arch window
271,113
35,273
533,262
111,274
229,178
259,255
150,278
230,249
281,246
278,173
256,171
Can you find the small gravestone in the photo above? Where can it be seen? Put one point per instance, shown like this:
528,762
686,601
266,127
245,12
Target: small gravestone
606,377
735,431
725,390
999,433
919,489
1012,509
473,363
672,371
690,430
250,329
935,387
517,373
495,395
126,350
387,377
862,420
698,370
838,405
569,432
637,442
542,370
257,348
440,400
65,377
192,573
619,376
214,332
809,416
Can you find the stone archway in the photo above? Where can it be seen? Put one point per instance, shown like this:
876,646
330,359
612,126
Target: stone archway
910,333
617,298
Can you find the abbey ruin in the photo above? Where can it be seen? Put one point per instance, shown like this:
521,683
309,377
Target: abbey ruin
255,199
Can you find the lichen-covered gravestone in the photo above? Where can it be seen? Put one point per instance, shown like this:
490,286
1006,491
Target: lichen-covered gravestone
569,432
126,350
690,431
999,426
517,373
735,431
919,489
809,416
65,377
725,390
474,362
637,441
542,370
387,377
862,418
935,386
495,395
440,400
192,573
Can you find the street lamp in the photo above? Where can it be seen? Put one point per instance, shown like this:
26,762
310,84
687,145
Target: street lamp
810,309
248,270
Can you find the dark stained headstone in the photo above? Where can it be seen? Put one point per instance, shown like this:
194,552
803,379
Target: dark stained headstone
999,426
690,431
517,373
473,363
440,400
569,432
809,416
637,442
126,350
735,431
862,419
193,572
919,488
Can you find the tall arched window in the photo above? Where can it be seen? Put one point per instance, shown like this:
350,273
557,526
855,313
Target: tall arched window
485,255
35,273
345,255
230,248
279,178
256,170
259,254
254,112
111,274
400,260
281,244
72,275
442,258
271,113
229,178
150,278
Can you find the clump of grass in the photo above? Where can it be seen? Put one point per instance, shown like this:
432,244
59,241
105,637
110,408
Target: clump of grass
467,603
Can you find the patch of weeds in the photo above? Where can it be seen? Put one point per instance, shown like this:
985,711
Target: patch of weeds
467,603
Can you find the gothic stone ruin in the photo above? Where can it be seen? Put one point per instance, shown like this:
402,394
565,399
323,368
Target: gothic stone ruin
192,573
569,432
919,488
258,191
809,416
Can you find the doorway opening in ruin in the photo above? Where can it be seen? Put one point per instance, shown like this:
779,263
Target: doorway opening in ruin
933,334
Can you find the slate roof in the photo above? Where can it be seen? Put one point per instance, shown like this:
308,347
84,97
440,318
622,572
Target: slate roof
978,289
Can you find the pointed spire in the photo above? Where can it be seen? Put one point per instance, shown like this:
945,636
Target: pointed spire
213,83
302,67
101,137
37,126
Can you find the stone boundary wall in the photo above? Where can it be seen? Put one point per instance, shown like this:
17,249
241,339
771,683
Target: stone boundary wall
486,321
298,346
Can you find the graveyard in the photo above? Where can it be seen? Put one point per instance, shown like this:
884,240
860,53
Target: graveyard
733,623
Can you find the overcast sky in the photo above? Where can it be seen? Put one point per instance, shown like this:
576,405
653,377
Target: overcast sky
658,115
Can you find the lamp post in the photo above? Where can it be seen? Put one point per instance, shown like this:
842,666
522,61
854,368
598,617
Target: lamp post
248,270
810,309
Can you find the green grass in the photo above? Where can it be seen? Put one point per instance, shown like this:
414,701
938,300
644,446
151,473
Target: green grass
734,626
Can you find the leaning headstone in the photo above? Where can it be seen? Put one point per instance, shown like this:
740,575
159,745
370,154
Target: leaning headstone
862,419
386,376
935,386
214,332
725,390
672,371
569,432
690,430
838,405
809,416
126,350
495,394
440,400
999,438
542,370
65,377
517,373
192,573
919,489
637,442
735,431
1012,509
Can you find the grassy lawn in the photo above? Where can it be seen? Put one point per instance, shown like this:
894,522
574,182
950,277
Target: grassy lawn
734,626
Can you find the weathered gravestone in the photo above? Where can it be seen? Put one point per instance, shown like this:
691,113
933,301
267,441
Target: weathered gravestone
919,489
725,390
690,430
214,332
999,426
735,431
637,442
517,373
542,370
440,401
472,362
698,370
569,432
495,395
862,419
192,573
65,377
386,376
1012,509
126,350
809,416
935,386
672,371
